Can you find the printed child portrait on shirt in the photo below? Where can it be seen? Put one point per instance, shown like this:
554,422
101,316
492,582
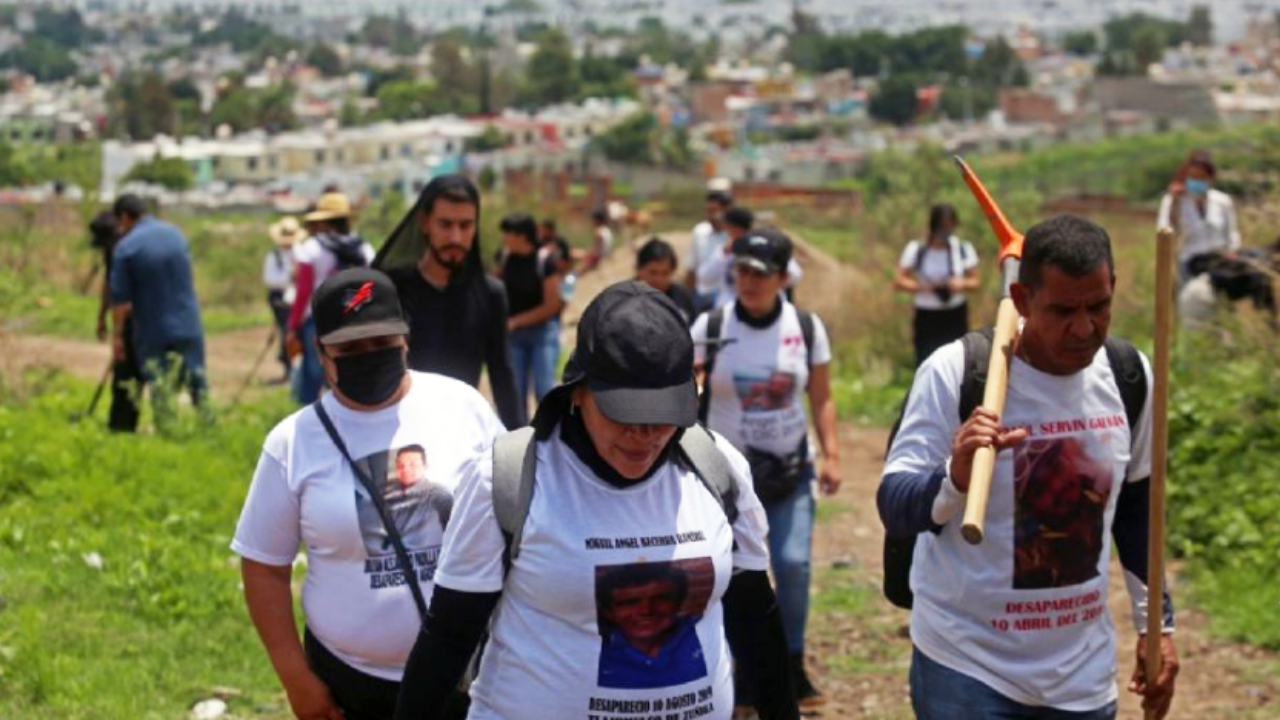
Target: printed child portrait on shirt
1061,490
764,390
648,615
419,508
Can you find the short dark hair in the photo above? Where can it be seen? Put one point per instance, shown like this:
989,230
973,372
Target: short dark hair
102,230
130,206
940,213
412,448
454,188
1070,243
720,197
636,574
656,250
599,215
549,224
519,223
739,216
1204,159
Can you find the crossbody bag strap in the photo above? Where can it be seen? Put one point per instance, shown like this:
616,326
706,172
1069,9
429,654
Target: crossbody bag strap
402,555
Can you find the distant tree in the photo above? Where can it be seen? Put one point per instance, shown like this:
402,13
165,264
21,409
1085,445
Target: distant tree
246,35
896,101
349,115
1082,43
184,89
1122,33
325,59
455,78
409,100
491,139
141,106
14,172
1200,26
630,141
998,64
171,173
44,59
65,28
604,77
377,77
243,109
396,34
552,74
1149,43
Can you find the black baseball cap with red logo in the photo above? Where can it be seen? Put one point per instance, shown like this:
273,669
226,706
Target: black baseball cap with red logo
356,304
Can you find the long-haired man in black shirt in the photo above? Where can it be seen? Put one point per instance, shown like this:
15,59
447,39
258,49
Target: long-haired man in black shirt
457,314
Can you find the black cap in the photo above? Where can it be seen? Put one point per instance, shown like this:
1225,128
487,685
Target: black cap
356,304
765,250
635,353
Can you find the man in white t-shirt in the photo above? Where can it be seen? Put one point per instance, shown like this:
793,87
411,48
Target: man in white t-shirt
1018,627
1203,217
330,478
709,237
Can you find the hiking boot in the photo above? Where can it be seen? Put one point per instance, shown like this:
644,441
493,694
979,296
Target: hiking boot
807,696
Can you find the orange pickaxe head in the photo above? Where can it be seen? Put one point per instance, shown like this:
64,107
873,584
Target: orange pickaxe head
1010,239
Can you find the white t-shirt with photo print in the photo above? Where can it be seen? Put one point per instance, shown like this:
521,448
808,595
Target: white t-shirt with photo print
1025,612
760,378
557,649
304,493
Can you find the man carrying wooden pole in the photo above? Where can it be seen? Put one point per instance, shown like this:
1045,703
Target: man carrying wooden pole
1018,626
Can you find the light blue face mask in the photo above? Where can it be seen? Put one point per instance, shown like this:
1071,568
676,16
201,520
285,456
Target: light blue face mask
1197,187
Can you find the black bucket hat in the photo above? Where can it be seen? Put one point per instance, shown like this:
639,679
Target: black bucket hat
635,353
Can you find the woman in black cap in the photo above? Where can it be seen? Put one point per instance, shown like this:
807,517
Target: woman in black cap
760,357
621,548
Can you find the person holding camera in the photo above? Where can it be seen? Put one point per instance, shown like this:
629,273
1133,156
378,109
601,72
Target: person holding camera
759,357
938,271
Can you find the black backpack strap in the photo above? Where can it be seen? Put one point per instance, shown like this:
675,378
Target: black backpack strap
977,353
402,555
1130,375
515,464
698,449
715,325
808,332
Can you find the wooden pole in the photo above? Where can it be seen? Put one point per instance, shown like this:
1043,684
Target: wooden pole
993,397
1159,454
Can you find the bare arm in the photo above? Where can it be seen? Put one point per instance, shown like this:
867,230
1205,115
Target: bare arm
823,406
269,595
905,280
551,305
967,283
119,316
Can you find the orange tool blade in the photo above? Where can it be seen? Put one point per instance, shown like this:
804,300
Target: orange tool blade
1010,239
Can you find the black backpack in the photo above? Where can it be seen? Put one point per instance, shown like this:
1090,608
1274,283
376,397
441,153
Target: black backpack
715,324
1131,380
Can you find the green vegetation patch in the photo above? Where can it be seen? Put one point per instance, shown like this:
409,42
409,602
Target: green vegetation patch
119,596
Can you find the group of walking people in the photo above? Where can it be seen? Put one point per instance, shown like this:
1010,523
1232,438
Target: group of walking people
611,556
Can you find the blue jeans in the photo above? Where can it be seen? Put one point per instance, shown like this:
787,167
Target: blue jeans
790,547
940,693
309,379
535,352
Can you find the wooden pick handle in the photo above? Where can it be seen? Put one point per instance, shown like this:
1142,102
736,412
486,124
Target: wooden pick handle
1159,453
993,397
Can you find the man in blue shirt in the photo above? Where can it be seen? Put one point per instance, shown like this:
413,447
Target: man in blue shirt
152,285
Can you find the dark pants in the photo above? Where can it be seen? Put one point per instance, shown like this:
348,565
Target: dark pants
932,329
126,387
360,695
940,693
280,312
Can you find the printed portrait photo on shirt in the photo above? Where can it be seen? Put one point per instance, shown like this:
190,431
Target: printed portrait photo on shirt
1061,488
419,508
647,615
764,390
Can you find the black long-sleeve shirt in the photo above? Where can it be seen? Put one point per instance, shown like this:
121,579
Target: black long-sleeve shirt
455,330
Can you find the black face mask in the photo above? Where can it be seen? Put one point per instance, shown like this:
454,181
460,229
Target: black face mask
372,377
